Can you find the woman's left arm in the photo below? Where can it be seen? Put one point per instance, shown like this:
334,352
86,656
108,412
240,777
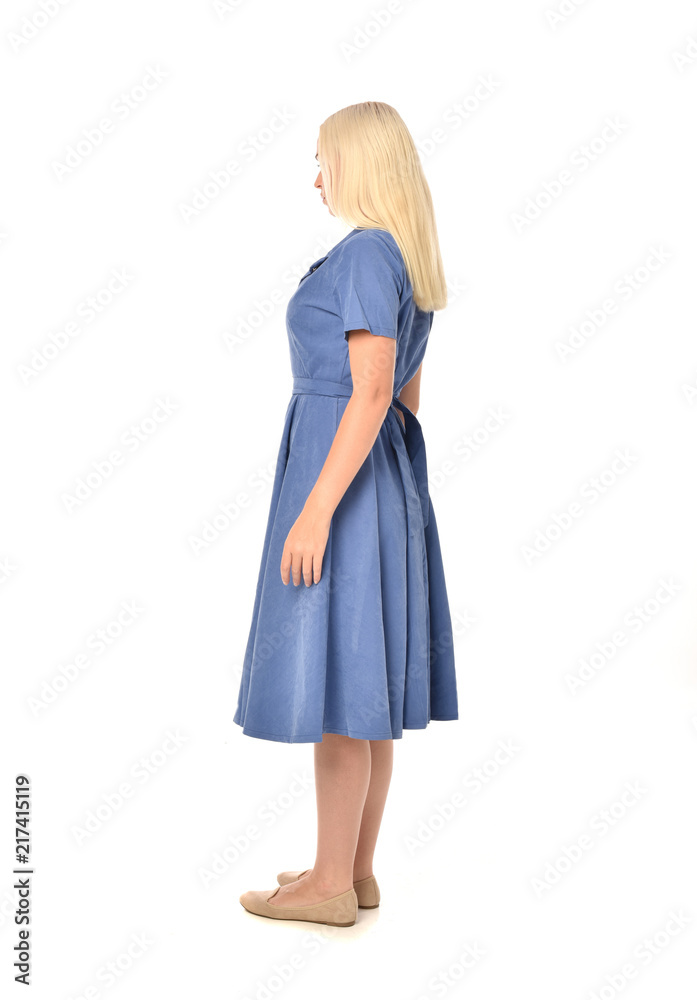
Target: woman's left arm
372,362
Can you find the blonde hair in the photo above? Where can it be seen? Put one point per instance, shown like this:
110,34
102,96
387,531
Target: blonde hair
373,179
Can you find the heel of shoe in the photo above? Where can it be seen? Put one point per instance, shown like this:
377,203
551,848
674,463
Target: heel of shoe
339,912
367,893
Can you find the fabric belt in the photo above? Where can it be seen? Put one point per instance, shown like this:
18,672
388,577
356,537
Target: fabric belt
412,434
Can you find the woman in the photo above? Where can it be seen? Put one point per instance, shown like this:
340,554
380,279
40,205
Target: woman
360,647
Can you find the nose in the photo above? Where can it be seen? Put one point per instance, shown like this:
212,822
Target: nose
318,180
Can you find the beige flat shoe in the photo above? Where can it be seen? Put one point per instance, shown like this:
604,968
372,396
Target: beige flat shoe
367,891
339,911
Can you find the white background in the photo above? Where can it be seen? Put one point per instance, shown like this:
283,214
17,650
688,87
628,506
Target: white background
499,873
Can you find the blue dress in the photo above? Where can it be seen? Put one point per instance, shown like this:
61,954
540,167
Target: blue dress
367,651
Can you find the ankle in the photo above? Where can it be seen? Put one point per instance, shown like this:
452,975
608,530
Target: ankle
331,884
361,873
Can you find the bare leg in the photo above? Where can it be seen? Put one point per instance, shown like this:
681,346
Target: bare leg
380,774
342,777
381,758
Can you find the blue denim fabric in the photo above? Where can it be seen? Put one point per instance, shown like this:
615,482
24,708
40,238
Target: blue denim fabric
368,651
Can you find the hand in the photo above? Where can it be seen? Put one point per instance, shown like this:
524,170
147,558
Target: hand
304,547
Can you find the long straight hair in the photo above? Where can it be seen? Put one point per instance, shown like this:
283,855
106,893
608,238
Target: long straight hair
373,179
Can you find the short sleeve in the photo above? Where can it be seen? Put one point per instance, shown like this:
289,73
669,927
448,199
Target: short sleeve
368,286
